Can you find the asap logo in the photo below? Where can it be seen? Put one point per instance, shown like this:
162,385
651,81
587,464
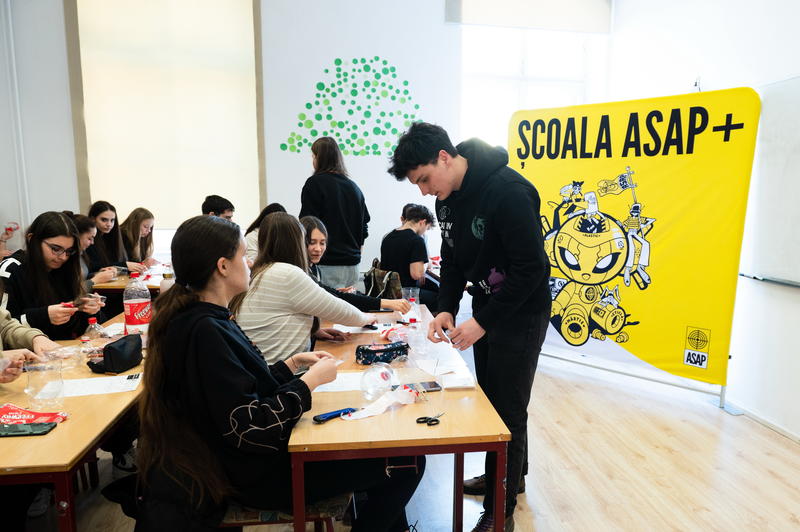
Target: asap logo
696,347
695,358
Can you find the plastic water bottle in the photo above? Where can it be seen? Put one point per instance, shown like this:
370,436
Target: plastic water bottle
93,339
167,281
136,301
94,330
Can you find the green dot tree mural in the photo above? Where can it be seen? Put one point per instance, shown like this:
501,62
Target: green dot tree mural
361,103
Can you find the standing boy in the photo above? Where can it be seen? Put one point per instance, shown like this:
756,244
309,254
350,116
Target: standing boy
492,237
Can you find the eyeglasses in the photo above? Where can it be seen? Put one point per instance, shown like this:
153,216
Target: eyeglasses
58,251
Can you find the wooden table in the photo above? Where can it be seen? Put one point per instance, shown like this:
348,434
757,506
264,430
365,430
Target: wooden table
55,457
469,424
118,285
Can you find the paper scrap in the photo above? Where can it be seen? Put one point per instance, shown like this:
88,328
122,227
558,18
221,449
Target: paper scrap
93,386
346,381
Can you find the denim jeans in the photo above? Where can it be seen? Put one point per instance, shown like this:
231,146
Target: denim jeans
338,276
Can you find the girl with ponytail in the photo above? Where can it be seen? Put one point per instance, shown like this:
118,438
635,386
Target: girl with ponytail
215,418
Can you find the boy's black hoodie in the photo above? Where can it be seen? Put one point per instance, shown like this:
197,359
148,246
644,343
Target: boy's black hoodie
492,236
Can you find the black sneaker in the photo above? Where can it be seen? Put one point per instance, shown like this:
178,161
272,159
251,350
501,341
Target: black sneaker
486,523
477,486
124,464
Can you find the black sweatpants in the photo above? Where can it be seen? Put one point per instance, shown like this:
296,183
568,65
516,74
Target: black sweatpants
505,364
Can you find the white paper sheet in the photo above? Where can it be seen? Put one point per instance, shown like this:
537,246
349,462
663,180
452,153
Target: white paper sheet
346,381
95,386
115,329
359,330
458,380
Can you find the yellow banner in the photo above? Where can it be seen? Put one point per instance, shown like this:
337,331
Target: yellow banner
643,206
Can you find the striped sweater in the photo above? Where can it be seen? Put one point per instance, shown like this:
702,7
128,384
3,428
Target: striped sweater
278,311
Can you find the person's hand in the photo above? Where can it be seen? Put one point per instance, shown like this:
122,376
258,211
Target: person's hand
5,253
104,276
466,334
323,371
372,319
59,314
400,305
41,344
347,289
150,261
136,267
16,358
332,335
442,322
90,305
301,360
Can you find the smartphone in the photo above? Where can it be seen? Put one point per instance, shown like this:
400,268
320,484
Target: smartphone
322,418
26,429
430,386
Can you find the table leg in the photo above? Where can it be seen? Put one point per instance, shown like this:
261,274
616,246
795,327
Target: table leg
500,489
298,493
65,502
458,492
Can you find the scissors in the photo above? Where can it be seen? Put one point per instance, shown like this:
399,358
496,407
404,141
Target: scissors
430,421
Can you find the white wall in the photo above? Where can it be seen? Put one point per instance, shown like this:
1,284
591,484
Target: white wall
301,39
37,155
660,48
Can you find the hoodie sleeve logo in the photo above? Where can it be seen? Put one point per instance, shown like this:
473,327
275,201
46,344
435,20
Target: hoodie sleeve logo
478,227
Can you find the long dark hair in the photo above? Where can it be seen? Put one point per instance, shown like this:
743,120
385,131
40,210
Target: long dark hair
167,440
280,239
136,247
327,157
309,224
108,245
269,209
68,276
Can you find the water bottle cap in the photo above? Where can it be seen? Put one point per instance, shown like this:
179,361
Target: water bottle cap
84,339
134,275
412,300
92,321
412,320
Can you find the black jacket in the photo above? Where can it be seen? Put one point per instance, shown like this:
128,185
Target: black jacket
244,409
492,236
95,260
339,203
19,297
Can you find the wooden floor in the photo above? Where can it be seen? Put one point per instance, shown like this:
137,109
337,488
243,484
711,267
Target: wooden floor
607,452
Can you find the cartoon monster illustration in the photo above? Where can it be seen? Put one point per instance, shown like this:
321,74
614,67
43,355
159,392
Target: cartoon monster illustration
589,249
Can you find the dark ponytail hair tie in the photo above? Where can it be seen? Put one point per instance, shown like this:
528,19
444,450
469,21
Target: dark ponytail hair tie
182,283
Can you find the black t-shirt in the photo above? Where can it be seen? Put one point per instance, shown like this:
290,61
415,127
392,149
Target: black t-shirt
400,248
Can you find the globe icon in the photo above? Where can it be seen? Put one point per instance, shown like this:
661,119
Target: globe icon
697,339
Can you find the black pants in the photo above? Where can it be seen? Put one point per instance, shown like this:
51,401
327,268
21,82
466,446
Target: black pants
14,502
505,364
387,496
166,506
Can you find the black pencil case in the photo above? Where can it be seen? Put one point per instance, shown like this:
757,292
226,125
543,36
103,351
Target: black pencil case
369,354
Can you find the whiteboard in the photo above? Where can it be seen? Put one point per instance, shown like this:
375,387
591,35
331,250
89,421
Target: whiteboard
771,248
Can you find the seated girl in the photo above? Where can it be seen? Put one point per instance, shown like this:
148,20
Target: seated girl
216,418
107,249
278,311
317,242
86,233
42,285
251,234
137,236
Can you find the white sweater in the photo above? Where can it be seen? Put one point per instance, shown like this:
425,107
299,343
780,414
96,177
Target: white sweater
278,311
251,239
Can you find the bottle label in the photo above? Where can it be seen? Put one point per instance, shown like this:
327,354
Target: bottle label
138,312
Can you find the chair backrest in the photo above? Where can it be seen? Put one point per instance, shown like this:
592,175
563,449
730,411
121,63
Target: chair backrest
382,284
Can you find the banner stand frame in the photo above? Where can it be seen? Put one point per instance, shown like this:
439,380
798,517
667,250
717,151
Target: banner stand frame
719,399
